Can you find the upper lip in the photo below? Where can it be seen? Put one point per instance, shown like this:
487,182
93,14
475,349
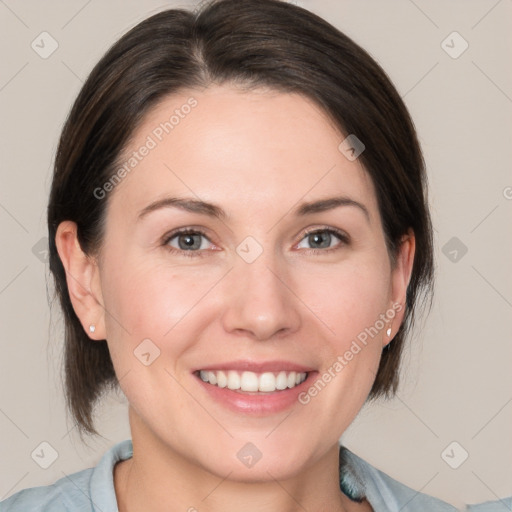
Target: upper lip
257,366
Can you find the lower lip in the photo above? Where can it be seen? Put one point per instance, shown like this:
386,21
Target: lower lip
258,404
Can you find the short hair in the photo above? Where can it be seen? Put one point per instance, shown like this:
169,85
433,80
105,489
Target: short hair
271,44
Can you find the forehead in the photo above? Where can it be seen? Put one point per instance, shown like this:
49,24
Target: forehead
231,146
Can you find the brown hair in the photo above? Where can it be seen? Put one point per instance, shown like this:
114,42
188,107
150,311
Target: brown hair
267,43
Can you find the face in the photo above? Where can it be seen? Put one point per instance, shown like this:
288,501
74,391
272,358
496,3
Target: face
261,287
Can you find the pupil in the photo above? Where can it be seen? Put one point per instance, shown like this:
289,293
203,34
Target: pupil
188,241
317,238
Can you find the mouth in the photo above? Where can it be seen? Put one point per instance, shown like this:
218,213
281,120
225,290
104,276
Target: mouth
253,382
255,389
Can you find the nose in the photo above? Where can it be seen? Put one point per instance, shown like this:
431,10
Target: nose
259,300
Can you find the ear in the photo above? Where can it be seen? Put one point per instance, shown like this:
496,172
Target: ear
83,280
400,277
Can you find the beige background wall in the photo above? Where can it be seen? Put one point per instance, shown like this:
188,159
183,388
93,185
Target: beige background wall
457,379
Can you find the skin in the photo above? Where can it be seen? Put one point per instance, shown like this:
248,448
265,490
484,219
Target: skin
257,155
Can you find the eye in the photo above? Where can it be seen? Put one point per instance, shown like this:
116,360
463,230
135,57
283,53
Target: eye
321,240
188,242
191,242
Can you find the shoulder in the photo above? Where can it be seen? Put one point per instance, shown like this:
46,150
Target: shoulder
492,506
87,490
383,492
64,495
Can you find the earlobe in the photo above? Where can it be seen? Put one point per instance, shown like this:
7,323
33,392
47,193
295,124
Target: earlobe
82,279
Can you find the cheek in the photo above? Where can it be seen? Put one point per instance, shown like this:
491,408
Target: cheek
153,302
147,308
349,300
351,303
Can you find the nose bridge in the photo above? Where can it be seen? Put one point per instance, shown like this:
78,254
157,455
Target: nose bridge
257,300
260,277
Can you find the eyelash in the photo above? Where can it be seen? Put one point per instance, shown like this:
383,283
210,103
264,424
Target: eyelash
344,239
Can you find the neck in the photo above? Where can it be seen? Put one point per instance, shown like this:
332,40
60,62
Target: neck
158,478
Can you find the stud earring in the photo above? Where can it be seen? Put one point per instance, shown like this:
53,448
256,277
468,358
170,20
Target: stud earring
388,332
92,328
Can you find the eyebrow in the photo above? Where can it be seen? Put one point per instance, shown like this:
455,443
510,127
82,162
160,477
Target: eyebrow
212,210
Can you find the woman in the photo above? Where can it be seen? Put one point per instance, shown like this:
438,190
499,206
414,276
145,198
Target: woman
240,239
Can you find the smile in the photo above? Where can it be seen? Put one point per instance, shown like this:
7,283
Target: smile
247,381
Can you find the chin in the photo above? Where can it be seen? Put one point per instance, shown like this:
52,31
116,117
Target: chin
259,461
275,468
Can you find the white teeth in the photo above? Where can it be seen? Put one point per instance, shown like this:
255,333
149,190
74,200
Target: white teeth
282,381
233,380
249,381
267,382
222,380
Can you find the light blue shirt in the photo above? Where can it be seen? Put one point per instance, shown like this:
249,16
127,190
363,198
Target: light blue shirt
92,490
